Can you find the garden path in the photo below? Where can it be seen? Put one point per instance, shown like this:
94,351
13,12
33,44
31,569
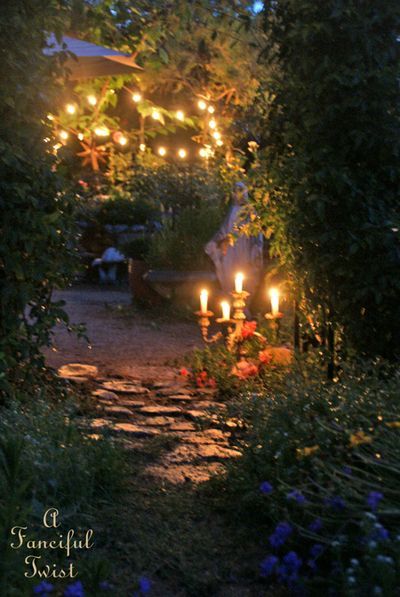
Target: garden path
138,396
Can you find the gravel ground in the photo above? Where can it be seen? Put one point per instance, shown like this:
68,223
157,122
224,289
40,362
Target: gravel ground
123,340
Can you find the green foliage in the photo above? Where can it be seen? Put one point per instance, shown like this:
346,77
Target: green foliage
125,210
333,444
179,245
35,248
330,161
47,461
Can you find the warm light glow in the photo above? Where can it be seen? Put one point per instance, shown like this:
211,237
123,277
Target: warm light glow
217,135
64,135
203,300
226,310
274,296
162,151
80,136
92,100
220,142
202,105
211,109
239,282
203,152
182,153
137,97
156,115
122,140
180,115
101,131
50,116
70,108
212,124
142,147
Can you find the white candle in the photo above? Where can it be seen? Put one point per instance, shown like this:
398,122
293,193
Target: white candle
239,282
226,310
203,301
274,296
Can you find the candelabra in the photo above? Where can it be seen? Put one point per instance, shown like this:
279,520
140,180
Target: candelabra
232,327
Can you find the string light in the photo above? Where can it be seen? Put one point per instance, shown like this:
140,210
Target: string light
70,108
122,140
217,135
203,152
212,124
180,115
101,131
202,105
92,100
156,115
50,116
142,147
80,136
64,135
182,153
162,151
211,109
137,97
220,142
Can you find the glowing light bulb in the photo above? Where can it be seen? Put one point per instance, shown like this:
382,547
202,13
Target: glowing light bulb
212,124
182,153
203,152
137,97
202,105
162,151
92,100
180,115
156,115
122,140
101,131
80,136
64,135
70,108
211,109
220,142
142,147
50,116
217,135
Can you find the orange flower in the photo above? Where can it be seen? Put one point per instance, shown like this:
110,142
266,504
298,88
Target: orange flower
249,327
359,437
244,369
275,355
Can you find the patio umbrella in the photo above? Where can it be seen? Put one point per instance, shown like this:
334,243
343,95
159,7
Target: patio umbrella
91,60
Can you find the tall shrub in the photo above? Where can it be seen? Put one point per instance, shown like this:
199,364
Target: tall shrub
332,160
34,257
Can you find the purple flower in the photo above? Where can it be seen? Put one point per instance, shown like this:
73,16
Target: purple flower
266,487
280,534
315,525
144,585
297,496
43,588
336,502
380,533
373,499
288,572
347,470
267,566
74,590
316,550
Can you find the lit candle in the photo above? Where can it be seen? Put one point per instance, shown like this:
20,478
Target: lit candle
226,310
274,296
203,301
239,282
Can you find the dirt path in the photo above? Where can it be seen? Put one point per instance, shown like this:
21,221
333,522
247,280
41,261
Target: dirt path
123,341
